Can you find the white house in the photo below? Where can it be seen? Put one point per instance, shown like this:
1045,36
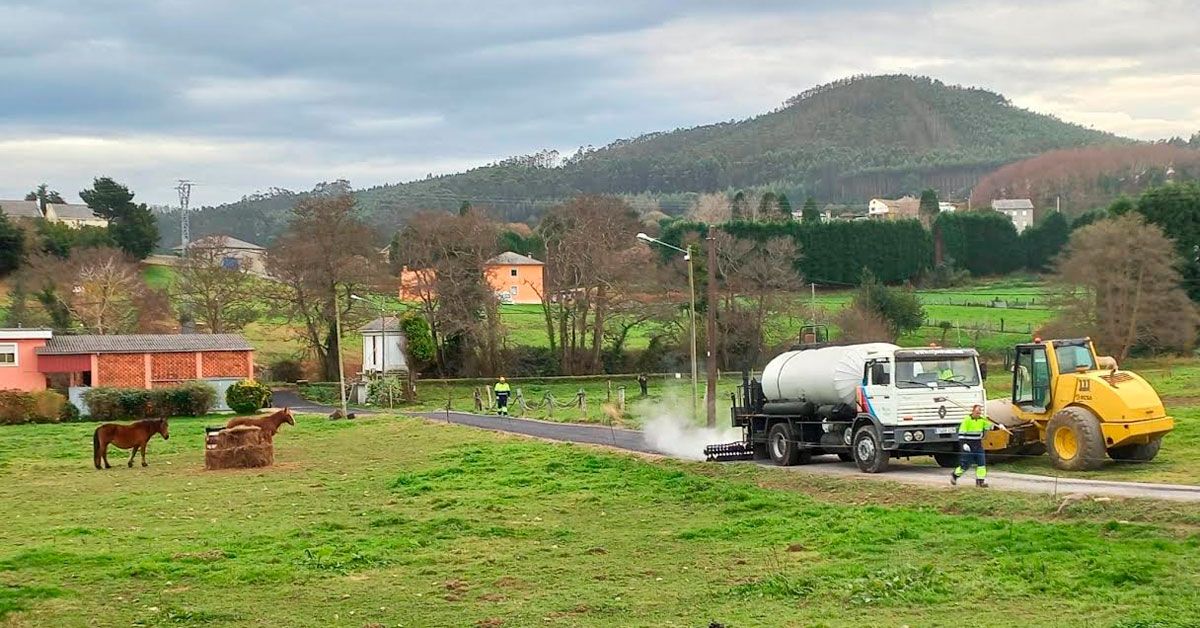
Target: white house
73,215
383,346
943,207
1018,210
897,209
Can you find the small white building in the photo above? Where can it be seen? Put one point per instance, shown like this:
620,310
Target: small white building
1018,210
73,215
944,207
384,346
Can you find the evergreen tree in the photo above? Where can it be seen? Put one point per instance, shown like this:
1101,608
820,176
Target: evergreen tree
18,309
785,206
131,225
12,245
1044,241
738,208
929,209
43,195
767,208
810,214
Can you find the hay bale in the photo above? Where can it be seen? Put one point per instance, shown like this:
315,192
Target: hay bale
241,447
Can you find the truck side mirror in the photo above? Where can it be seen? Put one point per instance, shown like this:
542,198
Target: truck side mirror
879,375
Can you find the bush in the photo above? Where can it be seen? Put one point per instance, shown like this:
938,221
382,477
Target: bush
246,397
287,370
380,390
16,406
901,309
43,406
69,413
525,361
116,404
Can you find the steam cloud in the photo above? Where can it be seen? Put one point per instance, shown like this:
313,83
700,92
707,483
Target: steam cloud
673,434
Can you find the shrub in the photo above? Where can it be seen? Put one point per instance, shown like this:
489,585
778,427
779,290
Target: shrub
287,370
69,413
247,396
381,390
525,361
16,406
113,404
901,309
47,406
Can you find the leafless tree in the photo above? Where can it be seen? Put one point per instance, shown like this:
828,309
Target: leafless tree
859,324
588,269
757,282
712,209
222,297
101,289
1119,284
325,255
445,256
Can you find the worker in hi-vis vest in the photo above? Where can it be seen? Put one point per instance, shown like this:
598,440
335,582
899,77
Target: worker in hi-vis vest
970,438
502,389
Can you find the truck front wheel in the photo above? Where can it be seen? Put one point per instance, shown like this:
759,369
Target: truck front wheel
869,454
783,448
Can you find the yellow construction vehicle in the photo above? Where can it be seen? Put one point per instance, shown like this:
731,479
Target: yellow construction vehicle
1077,407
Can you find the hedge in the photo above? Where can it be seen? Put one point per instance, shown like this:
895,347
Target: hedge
983,242
895,251
43,406
115,404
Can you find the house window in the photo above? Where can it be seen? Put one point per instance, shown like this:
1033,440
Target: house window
512,273
8,354
230,263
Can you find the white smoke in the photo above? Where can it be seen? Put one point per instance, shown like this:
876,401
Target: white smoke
671,433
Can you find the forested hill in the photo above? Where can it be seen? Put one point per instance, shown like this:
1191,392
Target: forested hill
844,141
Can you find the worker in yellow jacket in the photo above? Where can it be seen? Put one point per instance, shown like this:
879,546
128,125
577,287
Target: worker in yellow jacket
502,390
970,439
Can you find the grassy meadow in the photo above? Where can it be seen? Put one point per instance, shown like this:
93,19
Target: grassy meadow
391,521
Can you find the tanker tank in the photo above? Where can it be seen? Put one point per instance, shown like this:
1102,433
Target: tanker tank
824,376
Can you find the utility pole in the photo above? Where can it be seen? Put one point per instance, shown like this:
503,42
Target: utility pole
710,398
337,322
185,228
692,315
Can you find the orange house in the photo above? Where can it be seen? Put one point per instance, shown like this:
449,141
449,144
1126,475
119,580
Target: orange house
515,278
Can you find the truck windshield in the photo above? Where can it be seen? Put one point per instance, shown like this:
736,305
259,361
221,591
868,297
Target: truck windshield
937,371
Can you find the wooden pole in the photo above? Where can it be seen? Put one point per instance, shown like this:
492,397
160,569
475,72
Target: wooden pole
710,396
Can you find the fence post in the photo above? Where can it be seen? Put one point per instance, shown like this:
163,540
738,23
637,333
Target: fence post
621,398
1002,325
520,399
608,384
548,400
582,401
478,401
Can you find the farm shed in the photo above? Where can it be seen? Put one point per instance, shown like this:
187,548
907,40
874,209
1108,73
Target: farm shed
147,361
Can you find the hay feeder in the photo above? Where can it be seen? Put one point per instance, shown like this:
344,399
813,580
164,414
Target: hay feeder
241,447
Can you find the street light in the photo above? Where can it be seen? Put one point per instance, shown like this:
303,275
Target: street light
687,256
383,342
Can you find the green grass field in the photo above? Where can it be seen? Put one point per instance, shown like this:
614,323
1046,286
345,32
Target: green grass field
396,522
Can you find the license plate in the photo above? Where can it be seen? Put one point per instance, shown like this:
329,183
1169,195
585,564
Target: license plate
946,430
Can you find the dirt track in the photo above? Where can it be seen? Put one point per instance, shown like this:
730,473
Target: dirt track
632,440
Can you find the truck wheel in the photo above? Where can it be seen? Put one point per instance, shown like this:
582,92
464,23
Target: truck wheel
1136,453
782,447
946,460
1074,440
868,450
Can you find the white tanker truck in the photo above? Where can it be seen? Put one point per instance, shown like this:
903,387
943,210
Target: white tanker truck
863,402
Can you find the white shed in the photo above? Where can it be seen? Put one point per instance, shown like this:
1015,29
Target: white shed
383,346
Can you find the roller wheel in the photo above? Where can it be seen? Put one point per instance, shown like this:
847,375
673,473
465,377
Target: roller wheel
1136,453
869,453
1074,440
782,446
946,460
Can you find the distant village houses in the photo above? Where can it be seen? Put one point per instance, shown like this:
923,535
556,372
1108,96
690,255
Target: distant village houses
904,208
1018,210
514,278
73,215
236,254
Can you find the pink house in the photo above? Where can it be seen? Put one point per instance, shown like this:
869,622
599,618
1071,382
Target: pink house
19,360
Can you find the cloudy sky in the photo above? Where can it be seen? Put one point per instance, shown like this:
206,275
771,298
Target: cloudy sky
242,95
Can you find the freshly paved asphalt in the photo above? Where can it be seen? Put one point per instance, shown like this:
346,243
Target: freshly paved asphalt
633,440
285,397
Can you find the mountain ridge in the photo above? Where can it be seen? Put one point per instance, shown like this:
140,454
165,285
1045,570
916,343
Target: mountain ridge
846,140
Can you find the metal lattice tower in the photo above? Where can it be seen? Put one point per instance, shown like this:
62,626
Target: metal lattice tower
185,229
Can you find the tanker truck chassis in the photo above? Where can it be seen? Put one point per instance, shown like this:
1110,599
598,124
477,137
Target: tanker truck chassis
866,403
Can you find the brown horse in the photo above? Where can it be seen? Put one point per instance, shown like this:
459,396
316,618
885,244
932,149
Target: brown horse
268,424
134,435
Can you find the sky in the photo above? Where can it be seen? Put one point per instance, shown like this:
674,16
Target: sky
244,95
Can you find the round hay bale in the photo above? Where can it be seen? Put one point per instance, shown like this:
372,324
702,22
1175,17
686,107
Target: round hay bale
241,447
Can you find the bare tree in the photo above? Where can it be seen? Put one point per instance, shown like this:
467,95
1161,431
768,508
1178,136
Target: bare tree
325,255
445,256
100,289
1120,284
220,296
859,324
757,282
587,271
712,209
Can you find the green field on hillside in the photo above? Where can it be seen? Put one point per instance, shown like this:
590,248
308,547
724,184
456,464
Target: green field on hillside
388,521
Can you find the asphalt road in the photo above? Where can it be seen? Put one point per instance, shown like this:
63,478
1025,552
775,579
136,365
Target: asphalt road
633,440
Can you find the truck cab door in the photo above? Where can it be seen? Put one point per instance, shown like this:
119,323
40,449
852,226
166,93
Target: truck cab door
878,392
1031,379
